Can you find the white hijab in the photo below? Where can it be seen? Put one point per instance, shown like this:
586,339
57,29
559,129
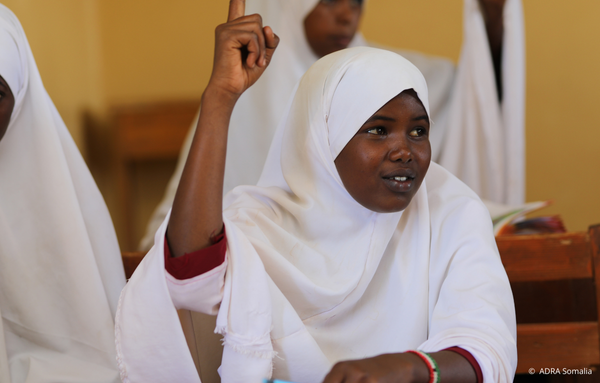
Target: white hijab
60,265
312,276
485,148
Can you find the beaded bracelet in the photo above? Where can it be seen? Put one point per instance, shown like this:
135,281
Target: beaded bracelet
434,370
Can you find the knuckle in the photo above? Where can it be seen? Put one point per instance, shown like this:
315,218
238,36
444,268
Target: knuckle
256,18
219,28
340,366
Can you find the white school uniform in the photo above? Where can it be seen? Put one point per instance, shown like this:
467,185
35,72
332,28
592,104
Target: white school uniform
312,277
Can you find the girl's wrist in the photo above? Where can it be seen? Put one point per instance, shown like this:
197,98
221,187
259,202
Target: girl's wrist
423,368
216,95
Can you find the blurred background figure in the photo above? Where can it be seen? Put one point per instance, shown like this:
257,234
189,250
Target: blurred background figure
60,265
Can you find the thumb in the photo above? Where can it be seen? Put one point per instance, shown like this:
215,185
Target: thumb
271,43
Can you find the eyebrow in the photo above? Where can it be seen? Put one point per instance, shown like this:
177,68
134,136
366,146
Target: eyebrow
385,118
380,118
423,117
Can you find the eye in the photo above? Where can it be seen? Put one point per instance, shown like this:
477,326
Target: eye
327,2
378,130
418,132
357,3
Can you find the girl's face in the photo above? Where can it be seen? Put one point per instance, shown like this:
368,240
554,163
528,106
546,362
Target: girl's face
384,164
331,25
7,103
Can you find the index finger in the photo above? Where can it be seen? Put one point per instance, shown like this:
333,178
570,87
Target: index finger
237,8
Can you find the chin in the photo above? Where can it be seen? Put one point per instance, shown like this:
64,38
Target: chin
393,207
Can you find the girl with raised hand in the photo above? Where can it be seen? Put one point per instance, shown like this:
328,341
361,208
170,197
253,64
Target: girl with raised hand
354,258
60,265
486,147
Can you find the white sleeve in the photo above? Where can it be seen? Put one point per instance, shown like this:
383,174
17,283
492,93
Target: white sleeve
202,293
471,303
151,345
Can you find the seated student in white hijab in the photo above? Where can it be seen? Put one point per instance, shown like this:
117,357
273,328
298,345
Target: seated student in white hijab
60,265
353,257
464,100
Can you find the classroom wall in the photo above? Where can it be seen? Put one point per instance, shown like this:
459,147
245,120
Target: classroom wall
563,130
157,49
96,53
65,40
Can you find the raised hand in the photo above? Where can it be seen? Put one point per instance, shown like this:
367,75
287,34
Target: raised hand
243,50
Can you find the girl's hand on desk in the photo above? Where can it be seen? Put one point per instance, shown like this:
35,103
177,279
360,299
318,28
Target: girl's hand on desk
243,50
387,368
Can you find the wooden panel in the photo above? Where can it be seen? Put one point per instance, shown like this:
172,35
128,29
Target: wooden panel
546,257
131,260
557,345
594,233
572,300
149,132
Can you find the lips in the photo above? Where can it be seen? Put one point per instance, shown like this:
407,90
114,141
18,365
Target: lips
400,181
341,40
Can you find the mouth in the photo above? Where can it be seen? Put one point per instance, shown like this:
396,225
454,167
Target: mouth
401,182
400,179
342,40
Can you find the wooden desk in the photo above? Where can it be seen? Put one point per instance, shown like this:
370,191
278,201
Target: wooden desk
549,274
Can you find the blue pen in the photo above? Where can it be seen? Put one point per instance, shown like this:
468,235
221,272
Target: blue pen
274,381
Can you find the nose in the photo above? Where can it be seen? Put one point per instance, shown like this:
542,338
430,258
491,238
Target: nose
345,10
400,151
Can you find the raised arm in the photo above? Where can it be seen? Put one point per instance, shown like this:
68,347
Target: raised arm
493,15
243,50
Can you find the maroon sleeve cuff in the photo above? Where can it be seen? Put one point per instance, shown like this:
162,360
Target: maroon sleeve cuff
192,264
467,355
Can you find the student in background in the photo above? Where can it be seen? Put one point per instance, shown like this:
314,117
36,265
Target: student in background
487,151
60,265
